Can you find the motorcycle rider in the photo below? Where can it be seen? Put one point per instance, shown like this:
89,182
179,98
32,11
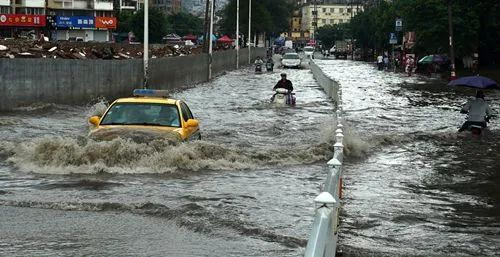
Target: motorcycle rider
258,63
269,63
479,112
284,83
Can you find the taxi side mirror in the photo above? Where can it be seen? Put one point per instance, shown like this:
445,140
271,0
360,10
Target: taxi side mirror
191,123
94,120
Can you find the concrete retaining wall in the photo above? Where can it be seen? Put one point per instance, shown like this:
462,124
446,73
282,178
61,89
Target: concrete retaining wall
27,81
330,86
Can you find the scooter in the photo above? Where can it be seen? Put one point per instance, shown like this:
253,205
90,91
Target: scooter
477,128
269,66
258,68
283,97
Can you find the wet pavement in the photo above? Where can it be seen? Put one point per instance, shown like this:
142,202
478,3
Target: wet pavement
413,187
421,189
246,189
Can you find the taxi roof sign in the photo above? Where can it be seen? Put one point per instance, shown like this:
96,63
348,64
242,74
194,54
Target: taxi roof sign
150,92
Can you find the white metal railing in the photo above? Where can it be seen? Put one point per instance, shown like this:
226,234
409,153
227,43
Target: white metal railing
324,234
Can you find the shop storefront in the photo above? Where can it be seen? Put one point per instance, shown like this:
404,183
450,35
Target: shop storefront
22,25
84,28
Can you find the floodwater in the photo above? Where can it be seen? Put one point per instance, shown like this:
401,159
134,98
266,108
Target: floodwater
246,189
413,187
423,189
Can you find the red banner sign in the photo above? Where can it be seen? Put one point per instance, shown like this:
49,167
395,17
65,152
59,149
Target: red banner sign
22,20
105,22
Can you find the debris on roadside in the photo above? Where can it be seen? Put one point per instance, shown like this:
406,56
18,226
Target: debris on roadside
16,48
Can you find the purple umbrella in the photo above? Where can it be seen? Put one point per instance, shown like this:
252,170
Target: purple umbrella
478,82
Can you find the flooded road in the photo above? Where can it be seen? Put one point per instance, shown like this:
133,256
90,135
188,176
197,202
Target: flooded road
413,187
246,189
422,189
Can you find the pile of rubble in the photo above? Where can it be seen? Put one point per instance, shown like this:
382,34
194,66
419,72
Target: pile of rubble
86,50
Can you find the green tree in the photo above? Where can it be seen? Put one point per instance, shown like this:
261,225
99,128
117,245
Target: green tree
124,20
476,26
328,34
157,25
184,23
270,16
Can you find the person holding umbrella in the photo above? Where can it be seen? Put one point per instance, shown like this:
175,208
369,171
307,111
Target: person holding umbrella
478,110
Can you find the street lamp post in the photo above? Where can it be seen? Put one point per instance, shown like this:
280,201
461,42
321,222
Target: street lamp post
249,30
452,52
210,39
352,37
237,34
146,44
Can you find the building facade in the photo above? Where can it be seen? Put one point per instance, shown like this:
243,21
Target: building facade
81,20
22,18
297,34
167,6
328,12
128,5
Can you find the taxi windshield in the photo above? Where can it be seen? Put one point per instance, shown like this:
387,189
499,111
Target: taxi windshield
151,114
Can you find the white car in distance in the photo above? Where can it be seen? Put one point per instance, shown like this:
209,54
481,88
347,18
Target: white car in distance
309,51
291,60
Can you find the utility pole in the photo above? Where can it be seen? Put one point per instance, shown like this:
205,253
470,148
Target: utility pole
352,36
315,19
205,28
452,52
210,48
237,34
146,44
249,30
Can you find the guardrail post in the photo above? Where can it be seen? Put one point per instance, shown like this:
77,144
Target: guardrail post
338,151
332,178
324,232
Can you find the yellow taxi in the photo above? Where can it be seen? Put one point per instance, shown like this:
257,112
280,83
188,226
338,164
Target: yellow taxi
148,111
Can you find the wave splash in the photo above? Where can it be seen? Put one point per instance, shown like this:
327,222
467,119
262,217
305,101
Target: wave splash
62,155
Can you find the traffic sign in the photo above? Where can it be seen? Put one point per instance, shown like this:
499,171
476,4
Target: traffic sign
393,39
399,24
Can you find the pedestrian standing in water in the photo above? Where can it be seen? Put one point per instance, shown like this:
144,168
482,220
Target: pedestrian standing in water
380,62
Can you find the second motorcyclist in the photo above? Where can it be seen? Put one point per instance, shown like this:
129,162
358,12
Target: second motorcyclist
258,64
478,110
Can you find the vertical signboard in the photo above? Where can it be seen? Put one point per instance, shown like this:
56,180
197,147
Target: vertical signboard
399,24
393,39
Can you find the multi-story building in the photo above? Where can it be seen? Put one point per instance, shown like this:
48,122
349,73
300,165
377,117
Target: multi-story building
24,18
128,5
167,6
316,13
195,7
82,20
297,33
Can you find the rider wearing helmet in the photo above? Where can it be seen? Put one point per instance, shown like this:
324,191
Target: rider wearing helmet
284,83
479,112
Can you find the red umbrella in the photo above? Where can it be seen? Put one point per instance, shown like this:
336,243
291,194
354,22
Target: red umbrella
190,37
225,39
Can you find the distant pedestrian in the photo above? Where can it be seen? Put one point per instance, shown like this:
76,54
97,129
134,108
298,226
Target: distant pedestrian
380,62
386,62
410,65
